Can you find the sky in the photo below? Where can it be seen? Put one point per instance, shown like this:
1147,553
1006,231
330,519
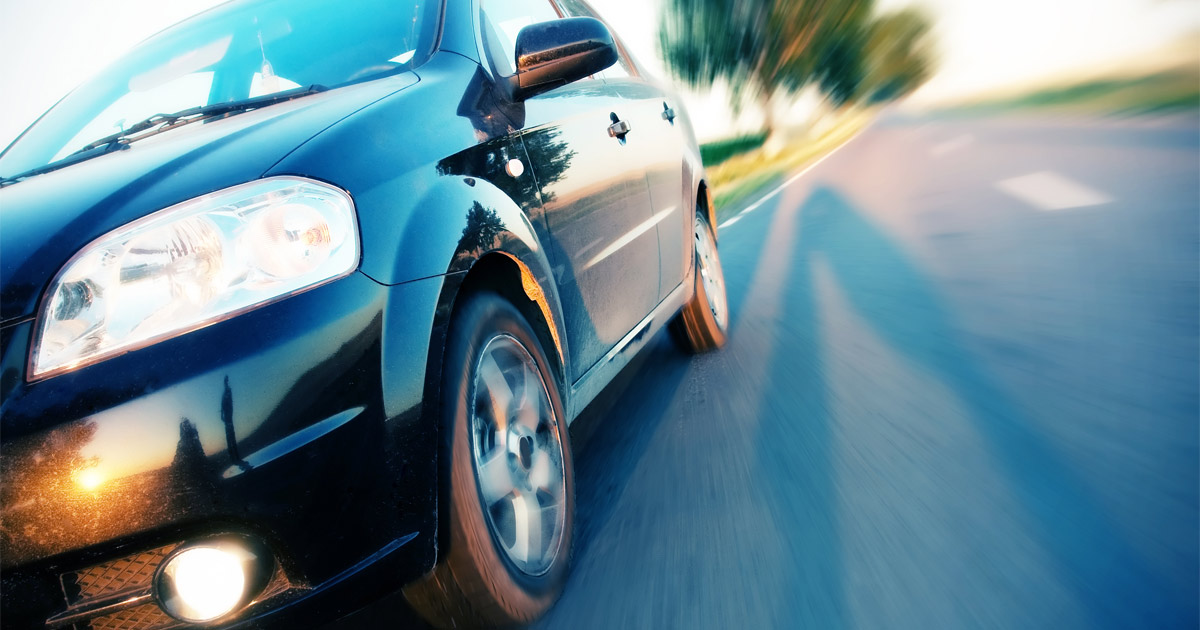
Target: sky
990,45
984,45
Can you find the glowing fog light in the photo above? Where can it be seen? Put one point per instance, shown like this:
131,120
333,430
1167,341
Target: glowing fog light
206,581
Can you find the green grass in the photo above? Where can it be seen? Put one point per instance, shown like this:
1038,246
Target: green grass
739,170
1161,92
714,153
739,178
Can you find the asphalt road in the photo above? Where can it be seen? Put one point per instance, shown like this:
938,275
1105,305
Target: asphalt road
947,402
961,391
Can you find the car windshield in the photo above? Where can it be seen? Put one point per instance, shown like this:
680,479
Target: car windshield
237,51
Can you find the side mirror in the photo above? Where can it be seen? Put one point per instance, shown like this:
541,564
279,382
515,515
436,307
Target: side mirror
554,53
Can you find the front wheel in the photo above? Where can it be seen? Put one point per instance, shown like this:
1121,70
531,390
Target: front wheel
703,323
510,499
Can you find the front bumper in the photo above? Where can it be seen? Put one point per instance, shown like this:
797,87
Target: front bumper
297,423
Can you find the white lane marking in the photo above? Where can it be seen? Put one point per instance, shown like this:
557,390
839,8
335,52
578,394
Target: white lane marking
629,237
1047,190
950,146
791,180
589,246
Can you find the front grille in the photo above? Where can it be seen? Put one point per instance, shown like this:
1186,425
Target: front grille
122,574
129,575
145,617
115,595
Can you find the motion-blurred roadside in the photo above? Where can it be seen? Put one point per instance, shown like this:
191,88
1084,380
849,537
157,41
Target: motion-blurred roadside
802,75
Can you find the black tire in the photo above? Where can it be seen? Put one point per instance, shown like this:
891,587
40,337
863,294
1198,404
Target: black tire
698,328
476,583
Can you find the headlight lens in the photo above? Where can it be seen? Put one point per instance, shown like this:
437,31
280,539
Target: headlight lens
192,264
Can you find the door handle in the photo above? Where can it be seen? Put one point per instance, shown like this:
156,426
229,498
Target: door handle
618,128
668,114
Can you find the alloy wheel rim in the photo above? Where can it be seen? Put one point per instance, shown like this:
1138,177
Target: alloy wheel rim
711,274
517,455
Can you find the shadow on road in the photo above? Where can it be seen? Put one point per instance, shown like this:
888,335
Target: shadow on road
894,297
611,435
794,435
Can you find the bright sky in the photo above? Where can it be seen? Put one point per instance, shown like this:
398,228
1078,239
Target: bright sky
50,46
989,45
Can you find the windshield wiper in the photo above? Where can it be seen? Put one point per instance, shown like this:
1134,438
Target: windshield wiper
159,123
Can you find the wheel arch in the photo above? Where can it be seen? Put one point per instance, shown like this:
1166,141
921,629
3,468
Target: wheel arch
704,202
512,263
477,238
506,274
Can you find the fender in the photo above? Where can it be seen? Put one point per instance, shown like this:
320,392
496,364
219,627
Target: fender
465,219
693,167
695,184
421,218
424,223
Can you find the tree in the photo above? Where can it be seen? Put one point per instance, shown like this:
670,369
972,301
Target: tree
841,67
483,226
761,47
899,50
765,48
885,59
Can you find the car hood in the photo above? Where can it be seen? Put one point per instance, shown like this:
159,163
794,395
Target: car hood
46,219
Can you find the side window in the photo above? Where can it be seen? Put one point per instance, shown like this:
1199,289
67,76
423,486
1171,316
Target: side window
623,68
501,20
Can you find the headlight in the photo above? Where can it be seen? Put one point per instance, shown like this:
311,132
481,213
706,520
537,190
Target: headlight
193,264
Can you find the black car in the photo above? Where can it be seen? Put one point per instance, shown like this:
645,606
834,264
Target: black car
299,298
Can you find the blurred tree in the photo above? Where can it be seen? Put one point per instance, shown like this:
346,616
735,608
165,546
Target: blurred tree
898,53
840,68
766,48
763,47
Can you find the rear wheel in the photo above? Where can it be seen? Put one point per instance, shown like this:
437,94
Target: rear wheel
702,324
510,500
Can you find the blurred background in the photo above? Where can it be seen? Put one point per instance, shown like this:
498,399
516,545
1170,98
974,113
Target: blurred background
954,51
962,247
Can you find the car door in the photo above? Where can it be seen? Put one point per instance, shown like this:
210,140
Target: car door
603,245
660,140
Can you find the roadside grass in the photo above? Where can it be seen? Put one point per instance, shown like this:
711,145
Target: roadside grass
736,179
721,150
1174,90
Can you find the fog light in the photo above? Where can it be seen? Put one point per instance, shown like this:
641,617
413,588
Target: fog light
206,581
